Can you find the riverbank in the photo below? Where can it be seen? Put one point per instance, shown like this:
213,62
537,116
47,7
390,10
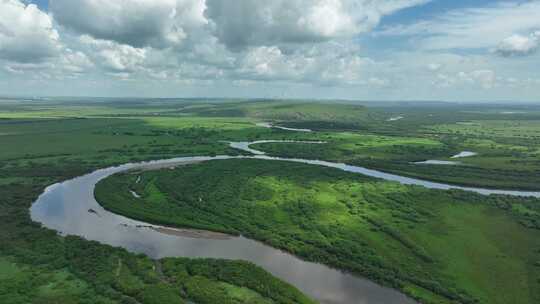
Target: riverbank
384,231
61,203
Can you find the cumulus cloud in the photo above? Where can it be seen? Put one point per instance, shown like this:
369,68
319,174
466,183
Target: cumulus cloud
243,23
267,62
26,33
270,45
238,40
75,61
434,66
238,24
20,68
486,79
519,45
115,57
324,64
138,23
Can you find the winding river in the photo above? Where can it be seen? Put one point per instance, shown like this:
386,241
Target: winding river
272,126
71,209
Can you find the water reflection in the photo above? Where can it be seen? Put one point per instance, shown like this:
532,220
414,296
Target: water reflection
269,125
70,208
465,154
437,162
245,146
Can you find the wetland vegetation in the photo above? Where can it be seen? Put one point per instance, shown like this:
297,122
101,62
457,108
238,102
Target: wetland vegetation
411,238
438,246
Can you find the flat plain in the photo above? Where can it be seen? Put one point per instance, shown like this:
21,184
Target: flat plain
436,246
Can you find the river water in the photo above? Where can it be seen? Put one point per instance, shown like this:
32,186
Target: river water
71,209
270,126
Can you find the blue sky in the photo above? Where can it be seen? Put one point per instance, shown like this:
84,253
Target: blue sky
432,9
356,49
43,4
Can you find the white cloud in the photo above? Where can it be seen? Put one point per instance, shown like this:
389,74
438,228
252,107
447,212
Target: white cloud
266,61
519,45
280,40
378,82
434,66
297,47
243,23
345,69
485,78
115,57
26,33
75,61
123,57
138,23
443,80
20,68
323,64
483,27
238,24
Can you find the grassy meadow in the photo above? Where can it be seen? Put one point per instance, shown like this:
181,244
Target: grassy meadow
444,245
441,247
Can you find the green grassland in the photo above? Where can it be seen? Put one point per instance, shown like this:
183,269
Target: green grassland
39,266
508,145
444,245
496,166
44,142
508,150
21,283
354,148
